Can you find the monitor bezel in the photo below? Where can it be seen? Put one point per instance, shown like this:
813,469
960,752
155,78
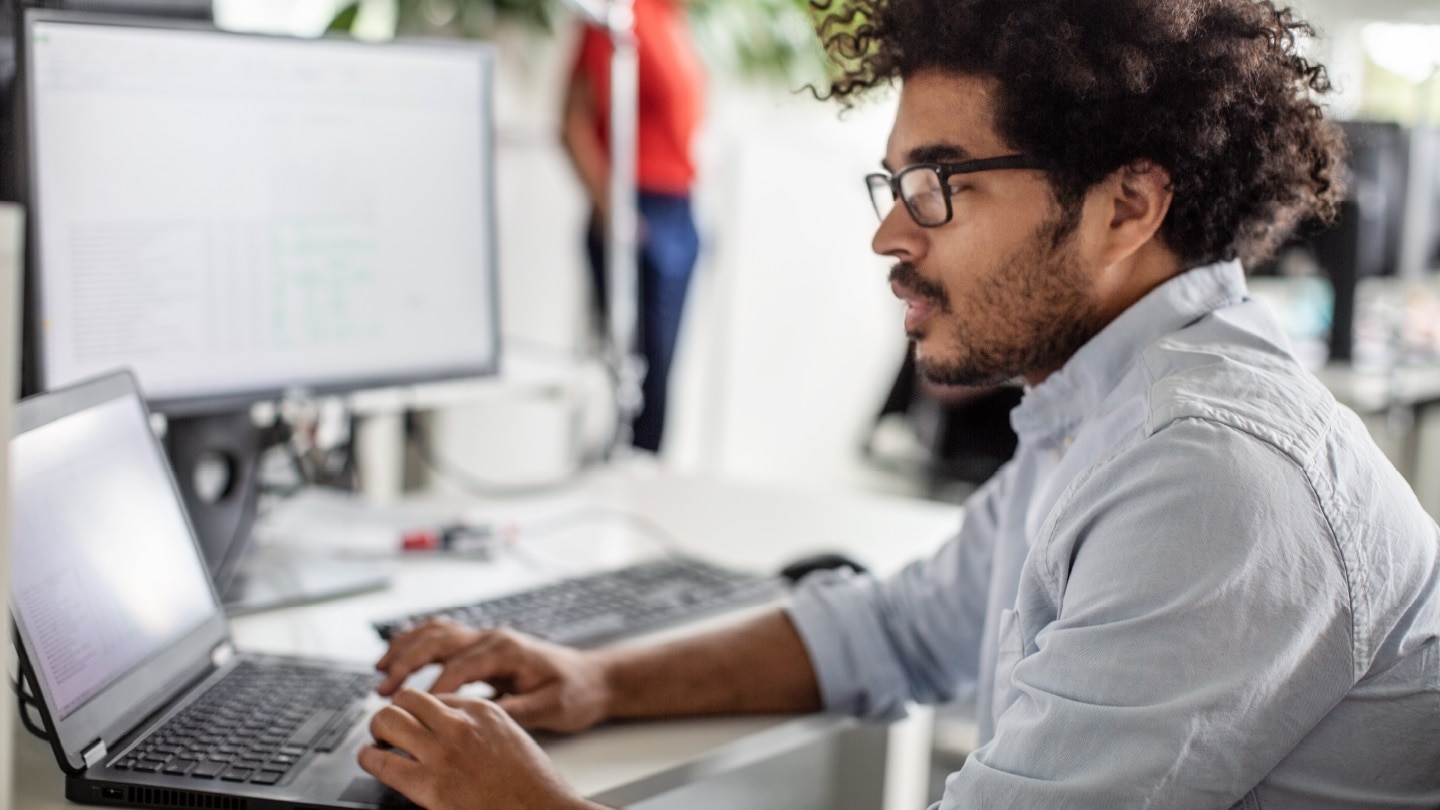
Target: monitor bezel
241,398
152,682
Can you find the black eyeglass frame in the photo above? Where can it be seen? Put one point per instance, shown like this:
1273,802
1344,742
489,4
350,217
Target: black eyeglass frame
943,172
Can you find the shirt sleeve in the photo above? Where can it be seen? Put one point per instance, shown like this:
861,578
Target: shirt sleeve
916,637
592,55
1183,622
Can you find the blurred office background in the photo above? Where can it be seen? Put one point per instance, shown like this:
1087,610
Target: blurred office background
792,342
791,337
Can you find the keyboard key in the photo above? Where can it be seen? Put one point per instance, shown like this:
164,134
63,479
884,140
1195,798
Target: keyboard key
266,778
338,730
209,770
306,734
237,774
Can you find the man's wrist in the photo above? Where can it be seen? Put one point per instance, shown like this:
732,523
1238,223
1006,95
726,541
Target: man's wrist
606,664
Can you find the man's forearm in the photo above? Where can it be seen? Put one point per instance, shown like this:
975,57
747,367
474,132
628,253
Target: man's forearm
758,666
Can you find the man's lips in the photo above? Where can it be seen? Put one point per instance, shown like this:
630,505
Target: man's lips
918,308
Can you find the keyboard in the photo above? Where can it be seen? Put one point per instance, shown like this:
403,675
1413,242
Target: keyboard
588,610
254,724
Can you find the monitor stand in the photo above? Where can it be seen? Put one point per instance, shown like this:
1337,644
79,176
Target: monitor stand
271,577
216,458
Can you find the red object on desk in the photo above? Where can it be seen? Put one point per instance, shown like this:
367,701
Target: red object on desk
420,540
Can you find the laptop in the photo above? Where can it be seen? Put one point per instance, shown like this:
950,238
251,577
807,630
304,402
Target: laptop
126,647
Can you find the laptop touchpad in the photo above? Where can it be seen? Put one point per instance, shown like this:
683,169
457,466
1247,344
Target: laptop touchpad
365,790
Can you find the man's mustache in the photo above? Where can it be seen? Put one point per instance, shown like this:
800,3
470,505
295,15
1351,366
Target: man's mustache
905,275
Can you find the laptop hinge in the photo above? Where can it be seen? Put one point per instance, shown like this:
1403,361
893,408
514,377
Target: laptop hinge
94,754
221,654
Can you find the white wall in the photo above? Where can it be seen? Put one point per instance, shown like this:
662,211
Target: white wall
791,336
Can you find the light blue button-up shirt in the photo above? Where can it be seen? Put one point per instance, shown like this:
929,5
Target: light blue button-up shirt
1198,584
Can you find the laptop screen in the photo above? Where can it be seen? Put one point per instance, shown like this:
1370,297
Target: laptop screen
97,527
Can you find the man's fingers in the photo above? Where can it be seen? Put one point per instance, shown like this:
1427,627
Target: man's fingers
532,708
424,707
401,773
493,656
429,644
408,639
395,725
400,662
487,713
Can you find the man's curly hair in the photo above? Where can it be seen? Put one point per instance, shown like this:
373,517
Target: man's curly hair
1211,90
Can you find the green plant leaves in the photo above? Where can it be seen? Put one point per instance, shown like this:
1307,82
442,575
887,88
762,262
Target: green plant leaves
764,40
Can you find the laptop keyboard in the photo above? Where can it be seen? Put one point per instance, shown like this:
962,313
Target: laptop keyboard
255,724
589,610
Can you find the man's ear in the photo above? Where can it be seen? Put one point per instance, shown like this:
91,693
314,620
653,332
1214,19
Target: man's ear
1138,196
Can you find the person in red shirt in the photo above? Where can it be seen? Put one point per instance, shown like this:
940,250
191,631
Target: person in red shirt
671,101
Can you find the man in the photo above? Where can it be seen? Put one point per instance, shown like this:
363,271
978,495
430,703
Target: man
670,102
1198,584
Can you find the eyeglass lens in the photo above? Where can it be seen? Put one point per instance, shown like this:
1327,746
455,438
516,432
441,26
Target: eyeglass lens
880,194
920,189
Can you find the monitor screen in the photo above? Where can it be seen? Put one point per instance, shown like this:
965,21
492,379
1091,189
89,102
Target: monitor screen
235,216
96,524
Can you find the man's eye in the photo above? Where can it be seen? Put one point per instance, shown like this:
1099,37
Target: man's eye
956,188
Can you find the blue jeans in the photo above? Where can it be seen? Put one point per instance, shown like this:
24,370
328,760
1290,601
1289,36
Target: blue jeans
668,251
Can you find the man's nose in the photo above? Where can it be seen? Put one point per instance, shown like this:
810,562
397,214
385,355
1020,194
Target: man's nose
898,235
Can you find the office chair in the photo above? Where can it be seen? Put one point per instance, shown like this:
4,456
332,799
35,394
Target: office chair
964,432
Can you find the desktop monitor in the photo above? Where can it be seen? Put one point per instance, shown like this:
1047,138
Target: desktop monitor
10,167
1425,150
238,218
1365,239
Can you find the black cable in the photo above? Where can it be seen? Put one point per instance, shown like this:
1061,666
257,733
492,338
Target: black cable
333,467
25,700
346,476
606,451
25,720
231,564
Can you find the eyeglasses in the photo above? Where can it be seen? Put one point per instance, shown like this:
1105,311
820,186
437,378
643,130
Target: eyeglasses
924,189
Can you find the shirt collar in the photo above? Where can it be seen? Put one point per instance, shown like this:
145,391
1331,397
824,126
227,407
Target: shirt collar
1068,396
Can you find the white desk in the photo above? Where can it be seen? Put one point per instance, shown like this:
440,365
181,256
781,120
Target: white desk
828,762
1375,390
1398,406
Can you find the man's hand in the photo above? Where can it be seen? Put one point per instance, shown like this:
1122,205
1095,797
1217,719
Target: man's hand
541,685
464,754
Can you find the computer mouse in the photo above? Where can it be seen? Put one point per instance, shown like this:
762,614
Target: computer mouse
823,561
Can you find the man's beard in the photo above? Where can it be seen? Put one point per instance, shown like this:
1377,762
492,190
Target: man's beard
1027,318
